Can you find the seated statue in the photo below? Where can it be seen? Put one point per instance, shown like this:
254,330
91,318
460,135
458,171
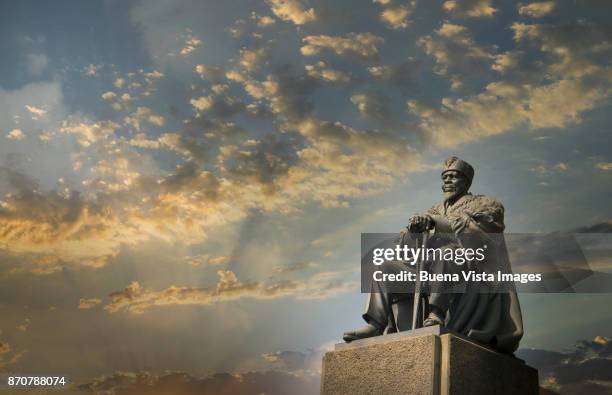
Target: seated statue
491,318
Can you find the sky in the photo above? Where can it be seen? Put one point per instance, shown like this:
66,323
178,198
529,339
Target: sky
183,184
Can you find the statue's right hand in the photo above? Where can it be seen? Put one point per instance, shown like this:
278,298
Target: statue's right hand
420,223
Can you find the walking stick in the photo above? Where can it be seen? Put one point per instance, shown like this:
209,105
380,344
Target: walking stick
421,240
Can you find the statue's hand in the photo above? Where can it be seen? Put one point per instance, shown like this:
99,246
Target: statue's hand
420,223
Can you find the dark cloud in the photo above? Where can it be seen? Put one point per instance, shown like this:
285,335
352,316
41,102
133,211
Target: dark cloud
586,368
286,92
578,48
214,74
30,216
260,161
402,75
218,105
292,99
200,135
373,106
456,51
518,65
180,383
602,227
189,177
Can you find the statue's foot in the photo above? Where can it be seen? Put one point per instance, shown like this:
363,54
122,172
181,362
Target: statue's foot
433,319
363,332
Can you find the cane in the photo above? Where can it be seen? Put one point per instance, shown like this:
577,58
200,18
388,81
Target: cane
421,240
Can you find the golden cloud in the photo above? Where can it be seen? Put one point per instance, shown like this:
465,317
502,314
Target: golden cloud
360,45
537,9
136,300
292,11
470,8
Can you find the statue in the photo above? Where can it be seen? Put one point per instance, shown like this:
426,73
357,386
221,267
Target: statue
490,318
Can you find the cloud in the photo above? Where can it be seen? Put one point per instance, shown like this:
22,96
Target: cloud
36,63
342,163
517,65
144,115
195,141
45,265
503,106
454,50
32,108
206,259
292,11
286,94
221,162
15,134
321,71
92,70
109,95
360,45
297,266
396,17
123,200
88,133
578,48
4,348
263,21
262,162
6,351
86,304
272,382
544,169
51,229
120,103
470,8
156,74
49,223
586,368
282,372
293,360
373,106
24,327
537,9
36,111
191,44
537,91
214,74
397,74
302,364
218,105
605,166
136,300
253,58
119,82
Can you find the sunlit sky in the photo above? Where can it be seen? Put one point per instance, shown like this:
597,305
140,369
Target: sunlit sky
183,184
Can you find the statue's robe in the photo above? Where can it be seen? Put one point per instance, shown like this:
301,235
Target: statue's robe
480,313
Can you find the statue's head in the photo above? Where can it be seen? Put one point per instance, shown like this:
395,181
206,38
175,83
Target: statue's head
457,176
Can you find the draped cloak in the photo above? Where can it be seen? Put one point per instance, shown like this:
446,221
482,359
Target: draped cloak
492,318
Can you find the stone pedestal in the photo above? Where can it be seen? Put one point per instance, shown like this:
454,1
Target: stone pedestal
424,361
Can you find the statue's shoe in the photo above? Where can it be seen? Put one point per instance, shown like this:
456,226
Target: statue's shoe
433,319
362,333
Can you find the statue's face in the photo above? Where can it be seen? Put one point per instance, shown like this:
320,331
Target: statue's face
454,184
